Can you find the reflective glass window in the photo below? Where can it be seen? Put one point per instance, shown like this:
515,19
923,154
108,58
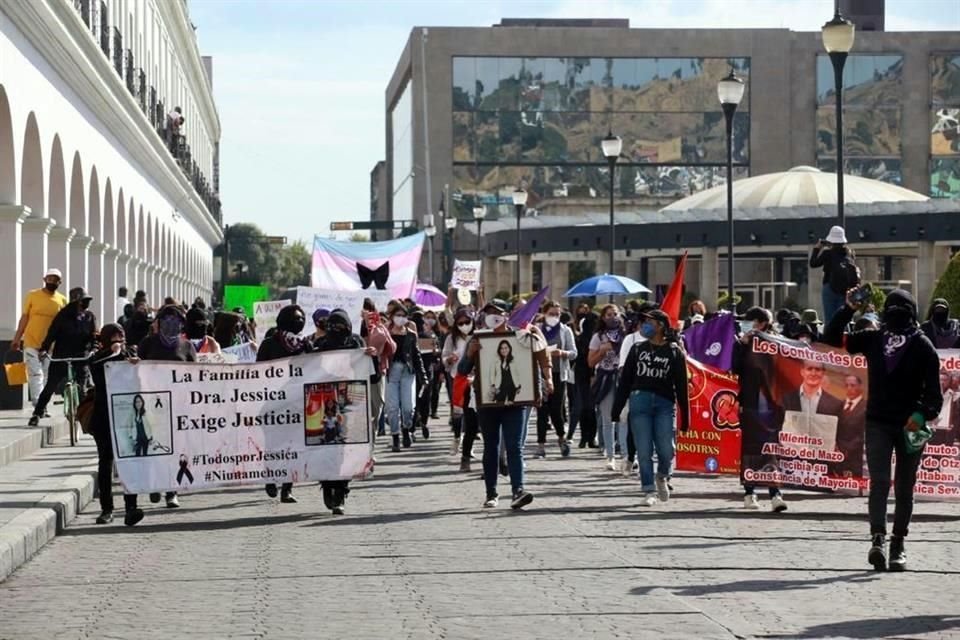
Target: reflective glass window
945,131
464,137
464,83
945,79
487,84
401,121
868,80
945,178
866,132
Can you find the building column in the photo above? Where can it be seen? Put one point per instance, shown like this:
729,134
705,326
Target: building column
526,273
814,287
110,285
559,279
59,253
35,232
11,254
79,260
147,282
140,274
96,276
710,277
926,274
124,275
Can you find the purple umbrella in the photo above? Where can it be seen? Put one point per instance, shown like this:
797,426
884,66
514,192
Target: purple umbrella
429,296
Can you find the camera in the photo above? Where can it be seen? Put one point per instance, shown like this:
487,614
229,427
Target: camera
861,294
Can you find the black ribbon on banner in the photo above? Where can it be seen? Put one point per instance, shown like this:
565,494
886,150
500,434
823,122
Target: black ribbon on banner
184,471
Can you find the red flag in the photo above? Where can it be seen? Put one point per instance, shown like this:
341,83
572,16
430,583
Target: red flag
671,301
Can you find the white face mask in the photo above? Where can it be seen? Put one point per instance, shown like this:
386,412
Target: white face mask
465,329
400,321
552,321
493,321
429,322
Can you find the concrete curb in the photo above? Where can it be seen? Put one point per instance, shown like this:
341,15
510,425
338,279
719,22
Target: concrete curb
32,440
26,533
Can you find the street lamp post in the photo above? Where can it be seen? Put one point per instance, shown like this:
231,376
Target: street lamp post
449,223
519,202
838,37
479,213
431,231
611,146
730,92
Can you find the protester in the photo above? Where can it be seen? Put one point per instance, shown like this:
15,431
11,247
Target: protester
320,317
840,271
562,350
404,374
72,334
40,306
428,343
140,325
696,311
587,321
228,329
903,394
377,336
197,329
122,302
942,330
810,325
465,427
654,380
284,343
604,357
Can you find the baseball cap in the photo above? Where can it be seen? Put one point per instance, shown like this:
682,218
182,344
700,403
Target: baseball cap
659,315
79,293
496,306
53,272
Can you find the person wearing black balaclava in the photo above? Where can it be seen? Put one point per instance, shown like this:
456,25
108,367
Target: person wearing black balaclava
942,330
197,331
138,327
903,373
586,324
339,336
167,344
285,342
72,335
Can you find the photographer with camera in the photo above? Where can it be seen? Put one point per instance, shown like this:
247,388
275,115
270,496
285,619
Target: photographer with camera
840,271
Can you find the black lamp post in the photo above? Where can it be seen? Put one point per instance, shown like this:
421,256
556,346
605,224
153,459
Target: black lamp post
519,202
611,146
479,213
431,232
838,37
730,92
449,223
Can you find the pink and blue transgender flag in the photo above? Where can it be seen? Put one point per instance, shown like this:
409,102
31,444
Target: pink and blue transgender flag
354,266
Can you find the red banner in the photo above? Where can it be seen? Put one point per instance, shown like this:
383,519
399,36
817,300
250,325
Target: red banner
712,444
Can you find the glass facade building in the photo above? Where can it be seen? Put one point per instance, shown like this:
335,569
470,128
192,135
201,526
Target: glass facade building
945,125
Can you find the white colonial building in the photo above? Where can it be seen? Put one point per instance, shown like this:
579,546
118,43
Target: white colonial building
91,180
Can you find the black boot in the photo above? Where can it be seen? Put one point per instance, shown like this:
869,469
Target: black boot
406,439
328,496
876,557
898,555
396,443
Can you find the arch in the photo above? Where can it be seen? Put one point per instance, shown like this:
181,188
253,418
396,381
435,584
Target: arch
93,226
8,159
77,216
148,239
140,251
107,233
131,230
121,235
57,194
31,169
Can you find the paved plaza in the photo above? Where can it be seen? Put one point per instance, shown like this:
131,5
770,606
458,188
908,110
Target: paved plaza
416,557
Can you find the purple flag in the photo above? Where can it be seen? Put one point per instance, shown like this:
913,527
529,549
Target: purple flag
524,315
712,342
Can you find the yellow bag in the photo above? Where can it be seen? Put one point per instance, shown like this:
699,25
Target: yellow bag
16,372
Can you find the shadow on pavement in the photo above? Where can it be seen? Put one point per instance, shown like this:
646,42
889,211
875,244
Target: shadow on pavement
758,586
390,518
880,627
173,526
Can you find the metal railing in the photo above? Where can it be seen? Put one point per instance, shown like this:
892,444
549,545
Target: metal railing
118,52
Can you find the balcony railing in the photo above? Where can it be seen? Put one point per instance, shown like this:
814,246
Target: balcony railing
118,52
83,6
104,30
131,73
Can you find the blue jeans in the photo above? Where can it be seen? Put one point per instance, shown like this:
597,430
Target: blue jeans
651,420
612,432
832,302
510,421
401,391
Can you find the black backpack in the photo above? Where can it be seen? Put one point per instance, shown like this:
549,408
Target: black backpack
844,275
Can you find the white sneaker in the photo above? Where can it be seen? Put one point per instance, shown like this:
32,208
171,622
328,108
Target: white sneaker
663,491
491,503
649,500
611,464
777,504
750,502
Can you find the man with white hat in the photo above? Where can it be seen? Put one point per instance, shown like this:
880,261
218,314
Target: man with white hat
40,306
840,271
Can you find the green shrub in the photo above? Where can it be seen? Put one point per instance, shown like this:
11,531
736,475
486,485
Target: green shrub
948,286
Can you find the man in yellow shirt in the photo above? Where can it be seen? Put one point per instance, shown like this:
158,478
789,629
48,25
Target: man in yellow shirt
39,308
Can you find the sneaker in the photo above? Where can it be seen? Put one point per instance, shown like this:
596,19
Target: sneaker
34,421
434,416
635,467
173,502
271,490
611,464
425,431
455,446
663,490
649,500
286,497
155,497
777,504
337,511
564,449
407,440
521,499
898,555
396,443
541,451
132,517
105,517
750,502
491,502
876,557
465,466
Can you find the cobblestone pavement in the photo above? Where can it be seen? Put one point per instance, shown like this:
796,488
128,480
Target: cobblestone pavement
416,557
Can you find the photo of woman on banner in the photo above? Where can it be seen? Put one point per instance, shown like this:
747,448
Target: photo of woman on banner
504,375
141,429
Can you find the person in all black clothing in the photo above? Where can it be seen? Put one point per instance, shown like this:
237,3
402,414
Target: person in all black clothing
942,330
169,344
903,377
583,374
138,326
284,342
829,254
429,347
654,380
72,335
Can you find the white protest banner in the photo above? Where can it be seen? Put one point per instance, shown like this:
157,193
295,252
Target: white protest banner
230,355
311,299
186,426
466,275
265,316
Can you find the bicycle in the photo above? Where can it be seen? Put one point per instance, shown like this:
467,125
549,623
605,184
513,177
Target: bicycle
71,397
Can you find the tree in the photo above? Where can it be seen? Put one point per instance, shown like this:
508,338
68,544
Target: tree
294,267
276,266
356,236
948,287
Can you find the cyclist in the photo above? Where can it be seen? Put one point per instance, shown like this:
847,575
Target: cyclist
72,335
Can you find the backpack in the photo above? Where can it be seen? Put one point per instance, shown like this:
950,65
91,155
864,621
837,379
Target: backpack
844,275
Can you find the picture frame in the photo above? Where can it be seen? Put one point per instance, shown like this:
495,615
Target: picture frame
510,383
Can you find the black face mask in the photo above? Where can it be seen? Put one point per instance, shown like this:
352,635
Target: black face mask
196,331
296,324
940,316
51,286
84,304
897,319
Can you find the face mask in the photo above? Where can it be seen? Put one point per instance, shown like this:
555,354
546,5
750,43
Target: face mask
897,319
337,329
648,330
465,328
84,304
429,322
552,321
612,323
170,327
494,321
940,316
400,321
51,286
297,323
196,331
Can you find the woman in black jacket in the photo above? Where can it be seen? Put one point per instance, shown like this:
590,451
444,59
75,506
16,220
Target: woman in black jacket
583,374
942,330
831,254
404,376
903,374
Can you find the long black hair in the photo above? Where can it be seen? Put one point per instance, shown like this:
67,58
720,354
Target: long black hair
509,357
143,406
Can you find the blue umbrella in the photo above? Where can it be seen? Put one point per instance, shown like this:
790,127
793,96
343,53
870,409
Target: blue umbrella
606,285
